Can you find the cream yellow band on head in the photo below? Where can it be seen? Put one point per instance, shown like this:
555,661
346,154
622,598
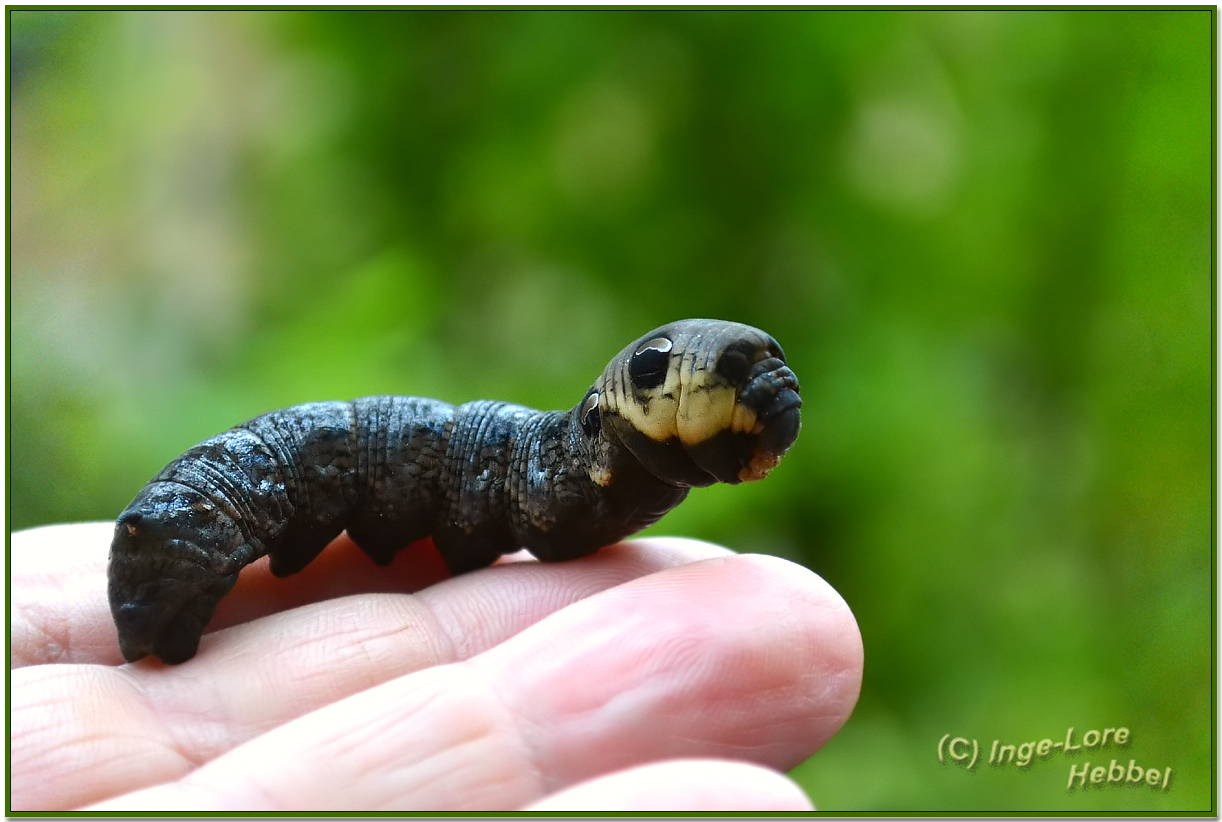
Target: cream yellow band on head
694,403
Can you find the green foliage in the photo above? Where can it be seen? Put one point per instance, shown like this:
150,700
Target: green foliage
983,237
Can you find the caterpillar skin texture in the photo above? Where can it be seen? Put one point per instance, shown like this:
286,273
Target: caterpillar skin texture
689,404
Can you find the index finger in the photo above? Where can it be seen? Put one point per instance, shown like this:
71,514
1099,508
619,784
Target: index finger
59,613
84,732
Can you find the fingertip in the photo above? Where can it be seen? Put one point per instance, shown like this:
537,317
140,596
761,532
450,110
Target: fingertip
838,629
832,627
651,666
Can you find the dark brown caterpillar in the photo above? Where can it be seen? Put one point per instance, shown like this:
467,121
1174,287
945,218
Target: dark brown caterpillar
688,404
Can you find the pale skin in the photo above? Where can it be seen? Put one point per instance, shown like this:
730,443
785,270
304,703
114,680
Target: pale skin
657,675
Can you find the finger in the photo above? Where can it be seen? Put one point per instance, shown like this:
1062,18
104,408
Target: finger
148,723
683,785
59,611
745,656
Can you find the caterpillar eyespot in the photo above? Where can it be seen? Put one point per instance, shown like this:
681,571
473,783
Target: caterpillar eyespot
588,414
689,404
650,363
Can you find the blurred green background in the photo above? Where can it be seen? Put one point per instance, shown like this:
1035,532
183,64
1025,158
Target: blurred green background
984,239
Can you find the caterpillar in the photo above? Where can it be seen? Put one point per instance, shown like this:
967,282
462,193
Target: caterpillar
689,404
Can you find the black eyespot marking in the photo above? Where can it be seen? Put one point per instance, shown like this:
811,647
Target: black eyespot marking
591,421
648,366
734,364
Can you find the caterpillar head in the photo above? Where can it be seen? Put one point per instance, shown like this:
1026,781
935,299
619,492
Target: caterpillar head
695,402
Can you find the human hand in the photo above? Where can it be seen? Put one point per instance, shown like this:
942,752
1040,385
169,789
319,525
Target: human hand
658,674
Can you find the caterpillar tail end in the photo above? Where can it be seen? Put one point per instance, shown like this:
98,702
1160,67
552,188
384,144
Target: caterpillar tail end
163,589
